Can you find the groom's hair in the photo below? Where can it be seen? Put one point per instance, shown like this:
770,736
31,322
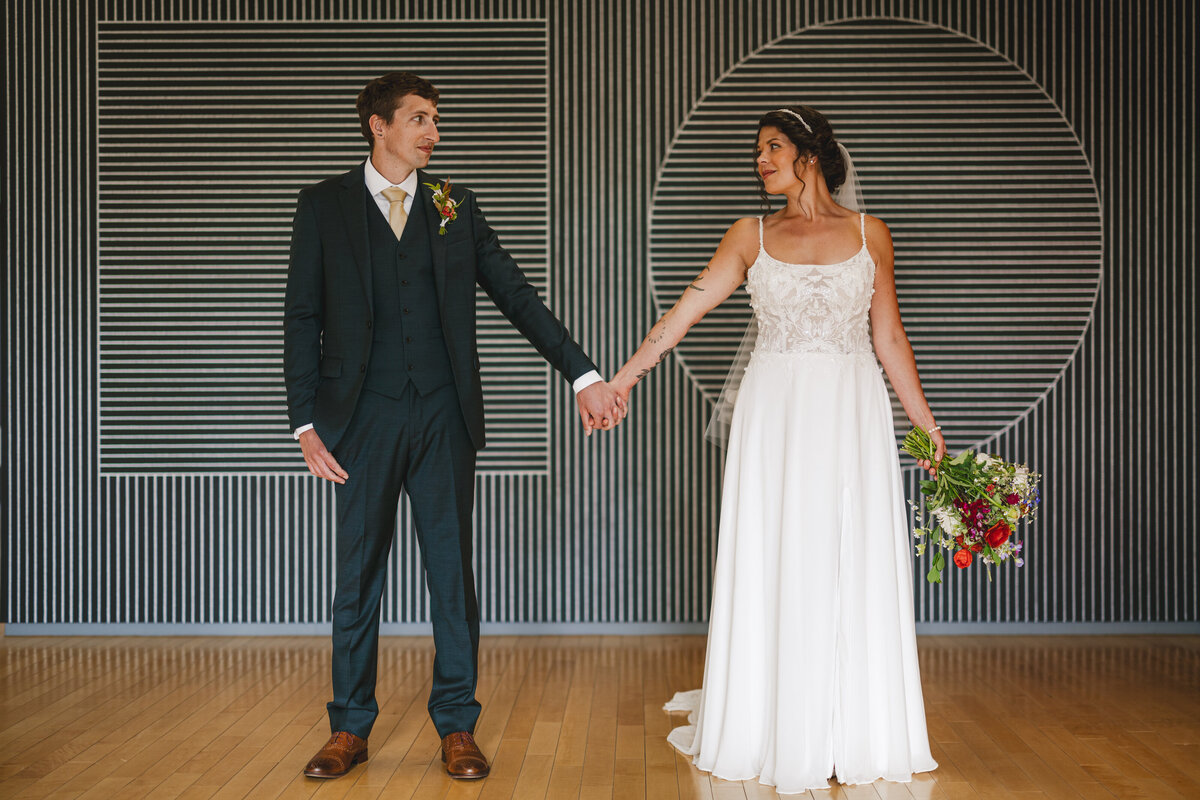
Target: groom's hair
384,95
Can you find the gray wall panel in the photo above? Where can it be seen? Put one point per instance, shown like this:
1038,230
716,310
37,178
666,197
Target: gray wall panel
1064,164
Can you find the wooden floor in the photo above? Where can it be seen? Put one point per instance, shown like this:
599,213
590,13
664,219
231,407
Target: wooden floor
569,717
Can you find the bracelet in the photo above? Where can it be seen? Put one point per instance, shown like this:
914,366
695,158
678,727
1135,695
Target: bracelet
934,429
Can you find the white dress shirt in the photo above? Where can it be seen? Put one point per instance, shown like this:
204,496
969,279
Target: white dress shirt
376,183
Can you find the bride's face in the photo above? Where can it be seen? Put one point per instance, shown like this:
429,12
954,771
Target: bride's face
776,161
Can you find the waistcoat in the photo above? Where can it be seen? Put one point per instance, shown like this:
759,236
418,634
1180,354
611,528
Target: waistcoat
407,342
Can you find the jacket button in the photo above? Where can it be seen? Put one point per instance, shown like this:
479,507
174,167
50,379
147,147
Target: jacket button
410,367
368,324
406,311
408,339
362,367
400,256
404,283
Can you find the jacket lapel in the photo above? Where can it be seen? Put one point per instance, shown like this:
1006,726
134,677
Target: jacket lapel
437,244
354,209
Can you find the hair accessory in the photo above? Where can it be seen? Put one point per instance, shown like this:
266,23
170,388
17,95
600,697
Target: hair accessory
807,127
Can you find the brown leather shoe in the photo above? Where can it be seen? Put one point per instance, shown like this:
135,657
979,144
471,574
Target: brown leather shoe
340,753
462,757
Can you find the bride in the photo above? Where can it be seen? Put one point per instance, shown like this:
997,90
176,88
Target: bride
811,668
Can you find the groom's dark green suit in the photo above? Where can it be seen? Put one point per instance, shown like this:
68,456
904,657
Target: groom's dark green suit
381,358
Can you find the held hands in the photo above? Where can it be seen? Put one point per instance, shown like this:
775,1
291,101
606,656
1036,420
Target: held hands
622,384
940,444
319,460
622,388
600,407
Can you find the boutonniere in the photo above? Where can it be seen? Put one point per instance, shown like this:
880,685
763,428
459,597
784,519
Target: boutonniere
446,208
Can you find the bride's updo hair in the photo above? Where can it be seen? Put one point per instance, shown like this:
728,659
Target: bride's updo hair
820,142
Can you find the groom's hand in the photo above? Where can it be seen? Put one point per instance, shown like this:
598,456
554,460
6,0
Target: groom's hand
600,407
320,461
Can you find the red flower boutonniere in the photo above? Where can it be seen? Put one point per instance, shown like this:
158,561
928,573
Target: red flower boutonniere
447,209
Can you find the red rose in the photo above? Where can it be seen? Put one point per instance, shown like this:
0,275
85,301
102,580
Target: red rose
998,534
1012,499
962,559
447,211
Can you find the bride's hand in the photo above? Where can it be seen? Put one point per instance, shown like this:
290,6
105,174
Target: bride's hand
939,444
622,388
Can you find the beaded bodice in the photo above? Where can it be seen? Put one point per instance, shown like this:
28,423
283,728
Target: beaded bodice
812,308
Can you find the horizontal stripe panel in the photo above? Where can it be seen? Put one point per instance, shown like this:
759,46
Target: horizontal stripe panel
210,278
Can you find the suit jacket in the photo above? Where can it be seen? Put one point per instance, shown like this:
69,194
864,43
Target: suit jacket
328,307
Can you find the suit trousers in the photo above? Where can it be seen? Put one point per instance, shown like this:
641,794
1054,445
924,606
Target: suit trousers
419,444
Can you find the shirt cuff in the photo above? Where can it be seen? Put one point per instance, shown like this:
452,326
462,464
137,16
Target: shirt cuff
585,380
296,433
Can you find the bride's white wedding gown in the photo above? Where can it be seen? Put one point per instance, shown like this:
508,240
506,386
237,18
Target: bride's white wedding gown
811,669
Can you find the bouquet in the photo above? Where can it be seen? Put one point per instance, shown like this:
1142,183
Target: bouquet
976,502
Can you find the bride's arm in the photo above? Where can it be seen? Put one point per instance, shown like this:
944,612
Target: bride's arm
724,273
891,342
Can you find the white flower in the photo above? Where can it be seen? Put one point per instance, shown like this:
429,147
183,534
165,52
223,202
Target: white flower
949,521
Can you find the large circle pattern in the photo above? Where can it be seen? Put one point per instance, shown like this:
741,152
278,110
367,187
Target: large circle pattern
992,204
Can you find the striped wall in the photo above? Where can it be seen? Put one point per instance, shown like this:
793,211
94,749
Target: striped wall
206,134
979,176
1035,161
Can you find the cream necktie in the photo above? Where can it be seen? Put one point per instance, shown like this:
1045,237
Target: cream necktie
396,215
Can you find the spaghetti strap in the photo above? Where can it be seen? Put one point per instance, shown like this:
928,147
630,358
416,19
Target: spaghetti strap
862,226
760,232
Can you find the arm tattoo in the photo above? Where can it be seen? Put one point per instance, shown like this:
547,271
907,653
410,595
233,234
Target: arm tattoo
650,337
661,357
697,279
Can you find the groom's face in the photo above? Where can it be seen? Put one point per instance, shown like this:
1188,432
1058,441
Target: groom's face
408,139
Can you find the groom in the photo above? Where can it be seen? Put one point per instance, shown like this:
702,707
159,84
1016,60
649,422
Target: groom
383,391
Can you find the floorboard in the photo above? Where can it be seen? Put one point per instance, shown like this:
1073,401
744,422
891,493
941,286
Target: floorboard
1078,718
